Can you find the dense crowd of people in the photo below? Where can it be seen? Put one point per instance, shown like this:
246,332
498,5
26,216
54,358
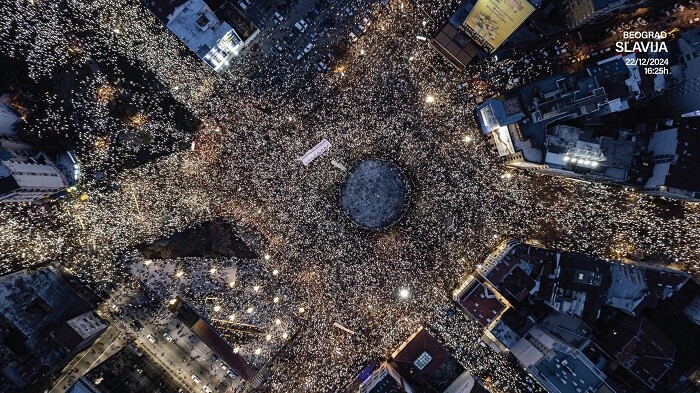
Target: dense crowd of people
393,98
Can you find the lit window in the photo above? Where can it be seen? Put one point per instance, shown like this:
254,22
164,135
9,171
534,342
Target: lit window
422,360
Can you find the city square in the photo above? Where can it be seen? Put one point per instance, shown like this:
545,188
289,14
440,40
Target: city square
345,264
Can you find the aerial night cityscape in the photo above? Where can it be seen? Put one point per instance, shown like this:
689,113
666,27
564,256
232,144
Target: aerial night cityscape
372,196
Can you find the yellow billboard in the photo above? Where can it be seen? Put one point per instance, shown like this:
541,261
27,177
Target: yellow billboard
491,22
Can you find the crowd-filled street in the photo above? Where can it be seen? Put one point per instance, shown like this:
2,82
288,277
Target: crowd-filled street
393,98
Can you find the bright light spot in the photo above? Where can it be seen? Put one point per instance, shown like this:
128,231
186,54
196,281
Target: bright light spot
430,99
232,284
301,310
421,38
467,139
212,270
258,351
267,257
268,337
235,350
231,317
404,293
285,335
275,272
180,273
425,22
249,310
275,299
256,288
217,308
173,301
147,262
278,321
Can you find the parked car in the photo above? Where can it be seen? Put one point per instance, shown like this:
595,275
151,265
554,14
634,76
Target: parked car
231,374
301,25
321,66
243,4
206,389
167,337
642,21
196,379
151,339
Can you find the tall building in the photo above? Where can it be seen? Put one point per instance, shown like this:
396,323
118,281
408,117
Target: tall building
673,153
26,176
43,325
206,28
580,12
680,89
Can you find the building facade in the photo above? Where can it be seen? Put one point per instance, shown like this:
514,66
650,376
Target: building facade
26,176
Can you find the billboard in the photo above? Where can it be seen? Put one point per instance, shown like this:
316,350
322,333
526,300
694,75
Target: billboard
491,22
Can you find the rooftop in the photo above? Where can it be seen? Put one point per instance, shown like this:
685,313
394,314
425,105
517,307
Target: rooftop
641,348
481,303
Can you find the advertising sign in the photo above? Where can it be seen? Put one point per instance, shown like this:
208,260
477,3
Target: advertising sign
491,22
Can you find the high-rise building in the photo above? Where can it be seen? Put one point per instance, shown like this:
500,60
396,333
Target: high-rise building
580,12
25,175
206,28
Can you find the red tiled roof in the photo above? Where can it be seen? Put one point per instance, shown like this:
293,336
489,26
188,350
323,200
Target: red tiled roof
642,348
481,303
421,342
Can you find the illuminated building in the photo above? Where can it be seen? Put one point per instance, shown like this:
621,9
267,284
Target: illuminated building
26,176
204,31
